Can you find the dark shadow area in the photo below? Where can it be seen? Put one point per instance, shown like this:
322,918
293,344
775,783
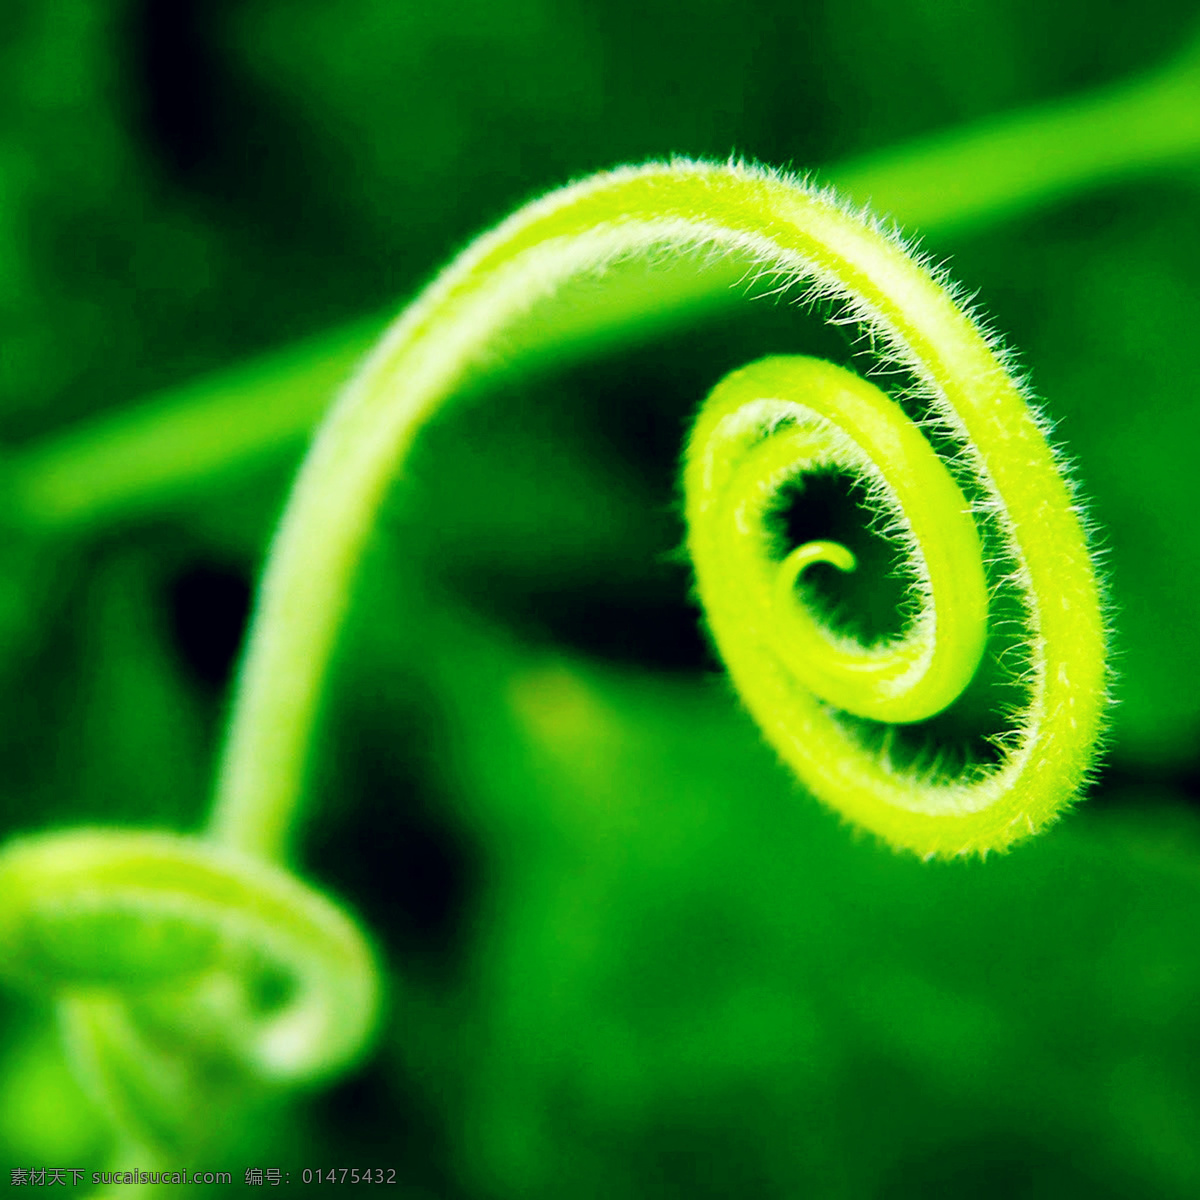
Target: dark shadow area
648,622
387,836
208,607
368,1120
175,78
1004,1167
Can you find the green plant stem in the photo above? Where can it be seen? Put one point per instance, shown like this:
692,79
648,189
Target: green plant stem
190,437
727,221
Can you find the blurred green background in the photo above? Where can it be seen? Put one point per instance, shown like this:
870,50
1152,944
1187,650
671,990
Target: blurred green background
626,955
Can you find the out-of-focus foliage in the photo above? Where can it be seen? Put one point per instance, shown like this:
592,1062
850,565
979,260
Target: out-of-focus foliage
627,957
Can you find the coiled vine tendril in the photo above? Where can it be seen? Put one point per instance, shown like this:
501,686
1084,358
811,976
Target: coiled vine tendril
760,428
158,946
183,970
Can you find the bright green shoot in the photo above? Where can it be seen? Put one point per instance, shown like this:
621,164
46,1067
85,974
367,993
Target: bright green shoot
762,427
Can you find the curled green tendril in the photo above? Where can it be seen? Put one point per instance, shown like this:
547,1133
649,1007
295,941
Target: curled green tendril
179,964
776,420
762,426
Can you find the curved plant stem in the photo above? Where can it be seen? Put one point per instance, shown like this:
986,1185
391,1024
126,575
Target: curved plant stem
714,218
